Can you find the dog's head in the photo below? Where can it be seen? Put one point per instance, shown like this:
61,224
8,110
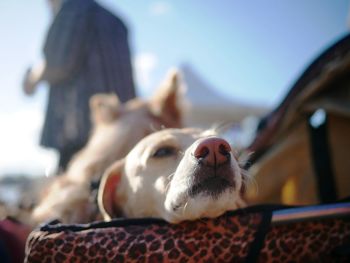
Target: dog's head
122,125
175,174
117,127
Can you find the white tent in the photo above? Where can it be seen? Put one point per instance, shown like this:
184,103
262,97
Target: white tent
207,108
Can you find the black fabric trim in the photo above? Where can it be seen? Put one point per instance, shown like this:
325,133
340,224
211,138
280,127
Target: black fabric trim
57,226
119,222
322,162
258,243
344,200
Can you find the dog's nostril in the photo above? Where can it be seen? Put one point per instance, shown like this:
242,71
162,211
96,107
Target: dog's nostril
201,152
224,149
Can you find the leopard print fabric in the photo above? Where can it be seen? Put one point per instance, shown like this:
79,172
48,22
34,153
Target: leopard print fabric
230,238
209,240
313,241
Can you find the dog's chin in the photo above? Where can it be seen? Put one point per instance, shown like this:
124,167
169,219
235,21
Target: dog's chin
208,192
202,203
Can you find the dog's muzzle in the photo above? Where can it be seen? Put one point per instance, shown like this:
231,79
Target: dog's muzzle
213,174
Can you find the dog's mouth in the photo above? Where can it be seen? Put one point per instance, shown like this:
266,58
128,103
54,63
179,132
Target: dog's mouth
213,186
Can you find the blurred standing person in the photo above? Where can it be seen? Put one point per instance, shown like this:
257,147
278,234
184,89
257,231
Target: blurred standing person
86,51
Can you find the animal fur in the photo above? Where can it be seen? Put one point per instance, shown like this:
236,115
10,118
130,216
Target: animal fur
163,177
117,128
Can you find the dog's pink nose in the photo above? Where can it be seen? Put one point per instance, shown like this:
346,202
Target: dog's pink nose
213,150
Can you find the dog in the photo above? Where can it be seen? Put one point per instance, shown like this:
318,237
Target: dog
174,174
116,129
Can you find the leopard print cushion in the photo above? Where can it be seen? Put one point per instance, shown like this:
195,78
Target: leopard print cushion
312,241
218,239
234,237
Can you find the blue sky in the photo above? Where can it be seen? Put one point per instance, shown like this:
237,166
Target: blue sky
250,51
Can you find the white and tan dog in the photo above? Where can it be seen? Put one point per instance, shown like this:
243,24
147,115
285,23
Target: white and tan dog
174,174
117,128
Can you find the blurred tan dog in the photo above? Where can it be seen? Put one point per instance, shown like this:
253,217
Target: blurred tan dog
174,174
117,128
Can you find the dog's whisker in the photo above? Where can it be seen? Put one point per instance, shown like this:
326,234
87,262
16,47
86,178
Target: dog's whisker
243,158
169,181
248,180
170,175
255,184
184,207
167,187
153,128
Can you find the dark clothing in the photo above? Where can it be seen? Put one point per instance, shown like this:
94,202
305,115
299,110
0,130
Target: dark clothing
86,52
66,154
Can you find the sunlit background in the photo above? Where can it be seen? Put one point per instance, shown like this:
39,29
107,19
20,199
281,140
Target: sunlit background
248,51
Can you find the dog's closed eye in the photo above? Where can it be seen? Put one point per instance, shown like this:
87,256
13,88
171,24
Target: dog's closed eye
164,151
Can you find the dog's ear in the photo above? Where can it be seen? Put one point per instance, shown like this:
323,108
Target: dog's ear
107,191
104,108
165,102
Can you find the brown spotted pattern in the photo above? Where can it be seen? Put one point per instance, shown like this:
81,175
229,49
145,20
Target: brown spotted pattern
313,241
210,240
224,239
